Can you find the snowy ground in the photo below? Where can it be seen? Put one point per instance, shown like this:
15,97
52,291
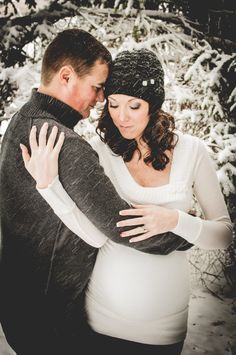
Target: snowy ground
212,325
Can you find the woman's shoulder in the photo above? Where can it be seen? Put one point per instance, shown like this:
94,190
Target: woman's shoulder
188,141
96,142
100,147
189,150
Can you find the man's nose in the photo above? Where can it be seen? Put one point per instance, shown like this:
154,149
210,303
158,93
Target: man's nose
100,95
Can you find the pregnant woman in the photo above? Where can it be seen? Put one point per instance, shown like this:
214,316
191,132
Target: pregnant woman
138,302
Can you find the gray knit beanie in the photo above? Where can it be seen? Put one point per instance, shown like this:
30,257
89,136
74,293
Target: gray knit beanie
137,73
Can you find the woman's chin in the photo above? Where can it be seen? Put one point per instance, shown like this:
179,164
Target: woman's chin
127,135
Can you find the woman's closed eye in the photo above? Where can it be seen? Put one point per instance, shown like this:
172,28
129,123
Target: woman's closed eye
132,107
135,106
112,105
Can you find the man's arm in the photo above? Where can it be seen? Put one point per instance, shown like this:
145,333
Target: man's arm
86,183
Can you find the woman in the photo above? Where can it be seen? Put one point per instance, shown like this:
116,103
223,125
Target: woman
137,301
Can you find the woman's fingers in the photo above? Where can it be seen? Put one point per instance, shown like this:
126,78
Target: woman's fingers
134,231
42,139
52,138
25,153
43,135
133,212
32,139
141,237
140,206
130,222
59,143
138,230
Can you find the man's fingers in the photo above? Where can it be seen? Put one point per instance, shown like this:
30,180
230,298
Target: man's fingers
43,135
59,143
25,153
32,139
52,138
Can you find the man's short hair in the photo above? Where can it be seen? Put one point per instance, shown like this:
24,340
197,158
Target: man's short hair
74,47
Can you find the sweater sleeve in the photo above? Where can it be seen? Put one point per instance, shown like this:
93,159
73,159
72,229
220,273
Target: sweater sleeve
84,180
214,230
65,208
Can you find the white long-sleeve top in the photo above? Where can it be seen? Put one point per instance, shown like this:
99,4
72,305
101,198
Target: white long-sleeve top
134,295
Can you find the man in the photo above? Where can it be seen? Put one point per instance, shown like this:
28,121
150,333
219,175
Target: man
45,267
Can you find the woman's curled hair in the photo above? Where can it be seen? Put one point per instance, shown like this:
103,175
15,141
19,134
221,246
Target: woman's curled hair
158,135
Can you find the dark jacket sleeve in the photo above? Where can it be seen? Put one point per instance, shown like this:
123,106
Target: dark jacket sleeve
85,181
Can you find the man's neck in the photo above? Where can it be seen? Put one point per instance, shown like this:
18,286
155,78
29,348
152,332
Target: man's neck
48,90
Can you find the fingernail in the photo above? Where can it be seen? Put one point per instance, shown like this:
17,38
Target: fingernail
117,224
33,127
21,146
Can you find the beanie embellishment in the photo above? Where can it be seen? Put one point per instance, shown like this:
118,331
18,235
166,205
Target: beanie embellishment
145,82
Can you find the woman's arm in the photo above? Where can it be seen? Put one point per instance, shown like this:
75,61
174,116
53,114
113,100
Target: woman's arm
215,230
65,208
212,232
42,164
43,167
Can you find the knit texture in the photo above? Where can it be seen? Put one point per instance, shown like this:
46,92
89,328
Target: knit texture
137,73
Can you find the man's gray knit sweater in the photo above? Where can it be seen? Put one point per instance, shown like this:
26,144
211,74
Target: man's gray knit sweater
44,266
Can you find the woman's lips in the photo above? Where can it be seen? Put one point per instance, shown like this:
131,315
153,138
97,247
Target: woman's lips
126,127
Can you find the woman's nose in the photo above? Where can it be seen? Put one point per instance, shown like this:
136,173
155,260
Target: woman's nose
123,115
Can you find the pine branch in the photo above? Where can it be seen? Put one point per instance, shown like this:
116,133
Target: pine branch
23,30
50,14
190,27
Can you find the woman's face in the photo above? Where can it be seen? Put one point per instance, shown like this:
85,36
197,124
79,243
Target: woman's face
129,114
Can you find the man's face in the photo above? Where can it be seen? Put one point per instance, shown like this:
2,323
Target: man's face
84,92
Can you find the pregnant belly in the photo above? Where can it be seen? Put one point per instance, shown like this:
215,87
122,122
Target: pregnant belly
138,286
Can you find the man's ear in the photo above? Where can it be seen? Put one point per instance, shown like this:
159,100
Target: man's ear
65,73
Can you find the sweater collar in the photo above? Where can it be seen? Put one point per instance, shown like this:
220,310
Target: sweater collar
62,112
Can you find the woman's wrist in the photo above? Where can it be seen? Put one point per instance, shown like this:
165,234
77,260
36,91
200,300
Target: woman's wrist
41,186
174,218
46,185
